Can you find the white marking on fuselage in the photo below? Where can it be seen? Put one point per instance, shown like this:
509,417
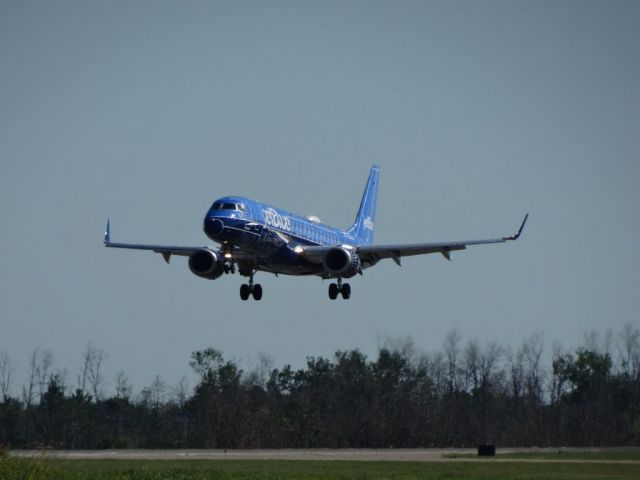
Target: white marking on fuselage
298,227
275,219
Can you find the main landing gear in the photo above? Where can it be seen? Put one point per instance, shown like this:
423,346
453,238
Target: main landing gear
339,288
251,289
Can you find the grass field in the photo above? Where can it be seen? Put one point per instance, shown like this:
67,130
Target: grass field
605,454
46,468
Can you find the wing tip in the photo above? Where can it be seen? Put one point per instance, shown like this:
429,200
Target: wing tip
517,235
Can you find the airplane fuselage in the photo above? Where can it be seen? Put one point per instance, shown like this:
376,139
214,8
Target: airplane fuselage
271,234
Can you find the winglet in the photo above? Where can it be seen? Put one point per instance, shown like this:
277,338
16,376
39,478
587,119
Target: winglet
107,233
517,235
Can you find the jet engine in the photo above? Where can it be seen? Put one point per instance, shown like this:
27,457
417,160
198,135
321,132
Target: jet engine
206,263
341,262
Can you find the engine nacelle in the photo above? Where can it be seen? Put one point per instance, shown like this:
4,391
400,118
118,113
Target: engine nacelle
341,262
206,263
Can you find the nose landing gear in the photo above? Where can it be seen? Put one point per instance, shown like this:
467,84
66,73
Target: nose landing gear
339,288
229,261
251,289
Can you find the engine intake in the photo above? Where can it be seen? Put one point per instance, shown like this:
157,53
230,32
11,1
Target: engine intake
206,263
341,262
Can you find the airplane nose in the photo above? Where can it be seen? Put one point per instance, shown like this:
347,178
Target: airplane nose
213,226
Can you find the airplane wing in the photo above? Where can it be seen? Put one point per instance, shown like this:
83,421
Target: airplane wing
168,250
165,250
373,253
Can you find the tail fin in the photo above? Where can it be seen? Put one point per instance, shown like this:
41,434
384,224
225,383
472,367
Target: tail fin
364,225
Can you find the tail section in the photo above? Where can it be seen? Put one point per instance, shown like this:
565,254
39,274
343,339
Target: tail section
364,225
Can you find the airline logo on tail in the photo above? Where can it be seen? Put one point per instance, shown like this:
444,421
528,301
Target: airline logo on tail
368,223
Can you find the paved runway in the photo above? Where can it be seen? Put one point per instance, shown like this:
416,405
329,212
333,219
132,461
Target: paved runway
401,455
279,454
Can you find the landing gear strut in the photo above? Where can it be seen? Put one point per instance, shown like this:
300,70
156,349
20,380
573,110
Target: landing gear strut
229,263
339,288
251,289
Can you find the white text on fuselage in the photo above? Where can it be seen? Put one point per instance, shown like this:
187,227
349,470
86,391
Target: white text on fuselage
274,219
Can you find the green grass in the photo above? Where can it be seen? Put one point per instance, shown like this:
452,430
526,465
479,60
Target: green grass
44,468
603,455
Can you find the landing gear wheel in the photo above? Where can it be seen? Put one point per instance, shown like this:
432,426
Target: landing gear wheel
245,291
257,291
346,291
333,291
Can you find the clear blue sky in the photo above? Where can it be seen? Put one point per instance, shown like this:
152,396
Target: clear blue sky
477,112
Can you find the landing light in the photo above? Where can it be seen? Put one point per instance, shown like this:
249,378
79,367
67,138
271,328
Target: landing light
298,249
227,255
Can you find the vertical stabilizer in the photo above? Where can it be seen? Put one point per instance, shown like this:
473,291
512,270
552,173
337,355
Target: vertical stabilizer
364,225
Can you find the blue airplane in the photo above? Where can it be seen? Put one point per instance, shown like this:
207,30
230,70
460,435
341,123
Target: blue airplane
256,237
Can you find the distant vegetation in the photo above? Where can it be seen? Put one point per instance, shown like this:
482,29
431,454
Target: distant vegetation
464,395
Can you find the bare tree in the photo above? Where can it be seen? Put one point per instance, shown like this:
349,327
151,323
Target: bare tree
62,378
403,346
96,375
471,365
259,373
515,364
532,349
45,362
180,392
490,375
591,341
557,386
28,389
157,392
265,366
629,350
83,376
436,368
123,387
91,376
39,364
5,376
608,342
481,365
451,351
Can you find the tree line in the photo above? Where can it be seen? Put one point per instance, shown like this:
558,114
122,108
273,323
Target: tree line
463,395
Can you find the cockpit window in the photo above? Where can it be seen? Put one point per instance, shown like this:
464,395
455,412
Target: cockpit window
229,206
